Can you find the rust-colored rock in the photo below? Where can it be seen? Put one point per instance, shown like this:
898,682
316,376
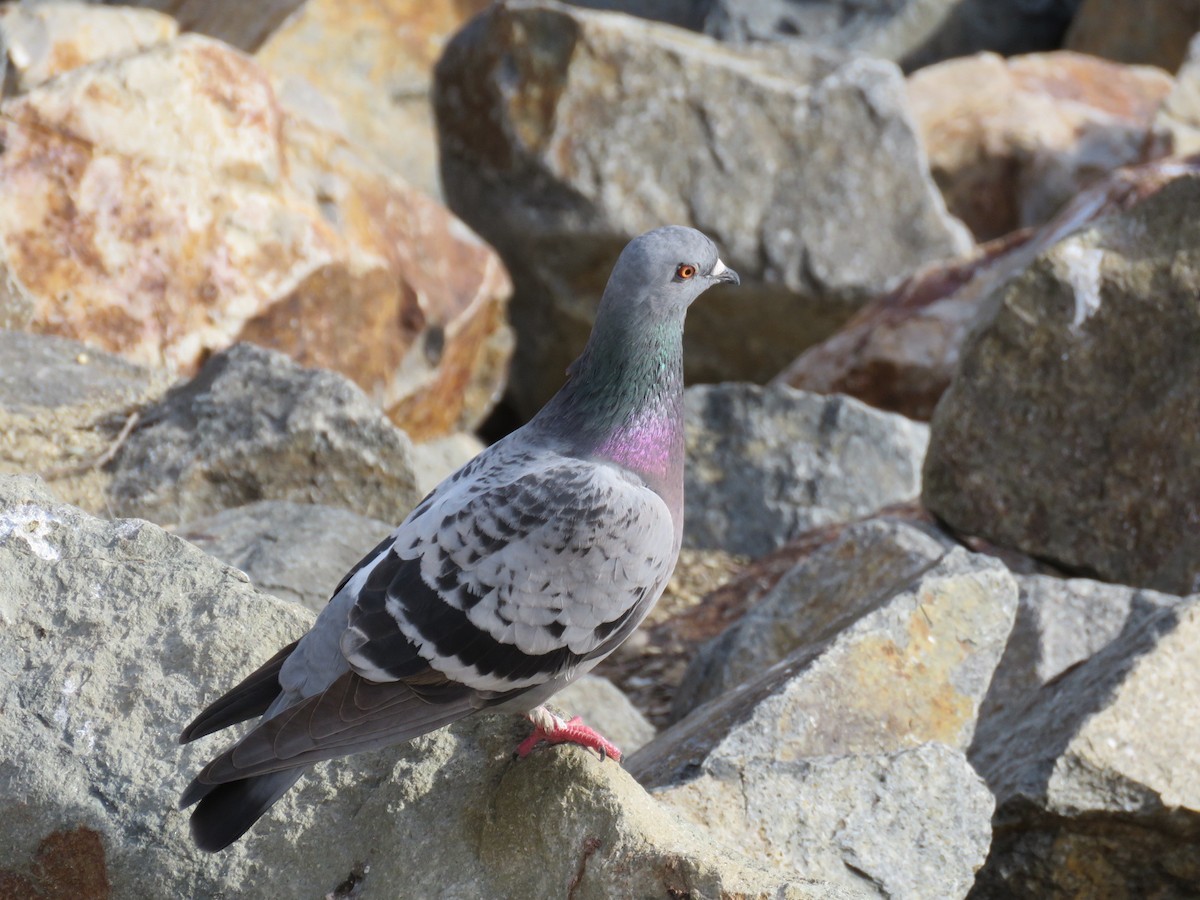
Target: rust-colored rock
161,205
900,351
382,100
66,864
1010,141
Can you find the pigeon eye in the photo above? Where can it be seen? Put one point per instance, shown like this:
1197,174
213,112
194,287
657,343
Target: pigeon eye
685,271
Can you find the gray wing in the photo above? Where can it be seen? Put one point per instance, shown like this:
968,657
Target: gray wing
515,574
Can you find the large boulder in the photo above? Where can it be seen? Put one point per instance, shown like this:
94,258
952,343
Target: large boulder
65,409
1069,432
1012,140
385,93
1135,31
766,464
901,351
1095,777
893,675
90,771
779,153
866,561
253,425
160,204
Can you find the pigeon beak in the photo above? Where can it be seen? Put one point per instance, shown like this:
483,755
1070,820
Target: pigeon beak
722,272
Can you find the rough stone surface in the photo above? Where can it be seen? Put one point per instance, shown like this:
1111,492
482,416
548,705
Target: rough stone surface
241,25
294,551
912,32
1095,778
252,425
1060,623
899,676
161,205
1155,32
95,690
605,708
901,351
835,585
1069,431
385,93
1011,141
63,406
779,153
765,464
1179,114
44,40
911,823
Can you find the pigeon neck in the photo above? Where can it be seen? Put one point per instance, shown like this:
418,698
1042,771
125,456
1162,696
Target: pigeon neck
625,397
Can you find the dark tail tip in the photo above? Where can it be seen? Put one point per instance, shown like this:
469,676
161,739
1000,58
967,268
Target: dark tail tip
227,811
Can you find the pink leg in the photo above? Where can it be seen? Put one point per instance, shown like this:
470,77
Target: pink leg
550,729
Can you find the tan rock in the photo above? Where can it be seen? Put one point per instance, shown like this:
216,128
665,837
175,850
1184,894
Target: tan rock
42,41
161,205
237,23
1010,141
382,100
1135,31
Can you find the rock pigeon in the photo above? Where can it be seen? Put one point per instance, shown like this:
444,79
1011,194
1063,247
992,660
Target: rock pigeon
515,576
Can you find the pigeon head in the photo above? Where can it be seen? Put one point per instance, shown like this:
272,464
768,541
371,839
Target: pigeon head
665,270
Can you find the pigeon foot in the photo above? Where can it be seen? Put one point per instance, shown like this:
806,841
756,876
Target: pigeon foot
551,729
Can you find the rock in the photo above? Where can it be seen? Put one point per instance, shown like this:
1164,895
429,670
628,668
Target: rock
681,13
897,677
779,153
1068,432
255,426
435,460
834,585
1011,141
295,551
1134,31
602,705
63,409
912,32
765,464
1095,779
1179,114
44,40
1060,623
912,823
385,92
90,772
241,25
901,350
162,206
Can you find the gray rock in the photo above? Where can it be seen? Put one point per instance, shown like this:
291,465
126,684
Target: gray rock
780,153
912,823
1095,780
602,705
902,675
912,32
896,677
294,551
681,13
1069,432
95,689
1060,623
816,599
253,425
63,406
766,464
242,25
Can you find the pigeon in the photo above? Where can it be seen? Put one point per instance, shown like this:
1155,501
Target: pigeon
513,577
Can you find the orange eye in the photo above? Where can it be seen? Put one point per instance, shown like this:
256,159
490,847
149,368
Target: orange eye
684,271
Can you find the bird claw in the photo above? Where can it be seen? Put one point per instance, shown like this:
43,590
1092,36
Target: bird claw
555,731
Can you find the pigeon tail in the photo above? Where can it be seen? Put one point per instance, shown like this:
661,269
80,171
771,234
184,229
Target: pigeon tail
227,811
